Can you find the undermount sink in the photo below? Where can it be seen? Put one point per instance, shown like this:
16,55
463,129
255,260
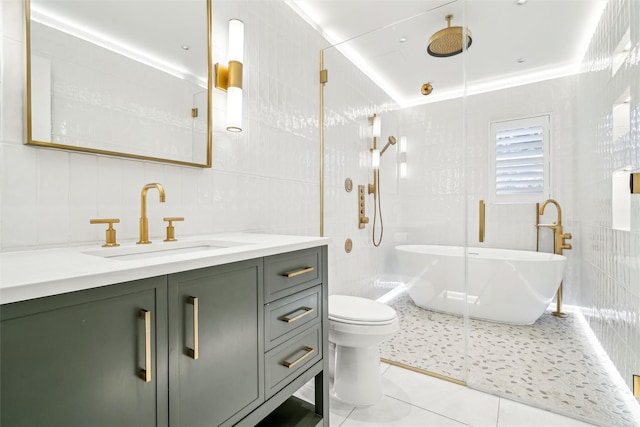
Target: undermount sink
154,250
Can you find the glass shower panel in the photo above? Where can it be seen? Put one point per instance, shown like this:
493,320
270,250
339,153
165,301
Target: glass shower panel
432,266
421,182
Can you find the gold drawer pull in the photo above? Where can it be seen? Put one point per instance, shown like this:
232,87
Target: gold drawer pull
298,272
145,373
193,352
296,315
307,352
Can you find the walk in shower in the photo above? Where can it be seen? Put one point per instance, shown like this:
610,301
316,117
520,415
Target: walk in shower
430,186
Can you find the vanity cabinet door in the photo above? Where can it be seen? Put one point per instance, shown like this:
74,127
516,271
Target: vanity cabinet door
75,359
216,338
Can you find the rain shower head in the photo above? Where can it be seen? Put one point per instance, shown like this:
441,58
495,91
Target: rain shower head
449,41
391,141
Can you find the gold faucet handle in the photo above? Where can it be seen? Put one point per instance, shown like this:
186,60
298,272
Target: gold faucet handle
567,236
171,231
110,233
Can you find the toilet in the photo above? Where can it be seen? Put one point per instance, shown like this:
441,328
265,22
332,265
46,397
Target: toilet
357,327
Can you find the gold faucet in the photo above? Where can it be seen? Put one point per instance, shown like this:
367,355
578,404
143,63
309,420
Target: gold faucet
559,244
144,221
559,241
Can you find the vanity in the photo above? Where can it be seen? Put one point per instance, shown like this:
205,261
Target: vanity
216,331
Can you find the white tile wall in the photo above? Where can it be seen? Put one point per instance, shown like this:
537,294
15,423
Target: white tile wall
349,99
610,259
265,179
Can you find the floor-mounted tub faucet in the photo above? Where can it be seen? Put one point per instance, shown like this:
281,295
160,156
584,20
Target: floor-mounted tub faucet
144,221
559,243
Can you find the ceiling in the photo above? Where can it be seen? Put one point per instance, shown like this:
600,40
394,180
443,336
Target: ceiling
513,43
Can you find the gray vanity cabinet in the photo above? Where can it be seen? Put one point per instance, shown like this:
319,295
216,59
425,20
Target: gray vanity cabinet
216,344
77,359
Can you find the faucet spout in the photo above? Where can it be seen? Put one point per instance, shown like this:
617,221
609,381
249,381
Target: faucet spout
544,205
144,221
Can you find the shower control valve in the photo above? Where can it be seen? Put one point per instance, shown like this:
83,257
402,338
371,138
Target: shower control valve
362,219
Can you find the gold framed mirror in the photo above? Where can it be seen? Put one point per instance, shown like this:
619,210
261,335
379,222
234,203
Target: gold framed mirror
123,78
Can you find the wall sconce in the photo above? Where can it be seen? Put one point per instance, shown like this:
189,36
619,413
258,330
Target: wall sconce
375,158
374,188
402,147
402,157
376,126
229,78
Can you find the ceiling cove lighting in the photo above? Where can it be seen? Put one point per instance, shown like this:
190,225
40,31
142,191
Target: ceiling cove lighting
229,78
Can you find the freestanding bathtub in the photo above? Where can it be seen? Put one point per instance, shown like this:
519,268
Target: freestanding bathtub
508,286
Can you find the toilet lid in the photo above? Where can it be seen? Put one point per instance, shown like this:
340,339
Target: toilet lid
348,309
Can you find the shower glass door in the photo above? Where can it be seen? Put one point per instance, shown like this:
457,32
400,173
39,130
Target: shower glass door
418,216
431,265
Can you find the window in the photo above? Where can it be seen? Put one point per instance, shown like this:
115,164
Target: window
519,160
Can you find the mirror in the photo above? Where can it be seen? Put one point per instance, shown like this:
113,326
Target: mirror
127,78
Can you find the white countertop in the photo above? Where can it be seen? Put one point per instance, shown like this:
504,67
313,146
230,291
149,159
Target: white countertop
38,273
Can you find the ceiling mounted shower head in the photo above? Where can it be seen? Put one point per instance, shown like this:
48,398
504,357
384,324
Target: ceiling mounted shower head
449,41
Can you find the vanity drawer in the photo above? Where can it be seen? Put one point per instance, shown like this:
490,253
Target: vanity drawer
287,316
292,272
285,362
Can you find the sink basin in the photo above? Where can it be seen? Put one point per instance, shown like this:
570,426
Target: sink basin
154,250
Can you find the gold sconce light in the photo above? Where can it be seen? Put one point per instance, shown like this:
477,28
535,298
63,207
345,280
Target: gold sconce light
229,78
402,157
374,188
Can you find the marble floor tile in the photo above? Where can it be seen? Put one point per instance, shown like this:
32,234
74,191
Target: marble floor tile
514,414
390,412
451,400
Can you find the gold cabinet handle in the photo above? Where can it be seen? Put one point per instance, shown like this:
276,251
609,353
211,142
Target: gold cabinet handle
193,352
110,233
308,351
298,272
481,220
297,314
145,374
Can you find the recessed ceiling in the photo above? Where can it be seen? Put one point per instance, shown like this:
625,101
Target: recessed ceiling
512,43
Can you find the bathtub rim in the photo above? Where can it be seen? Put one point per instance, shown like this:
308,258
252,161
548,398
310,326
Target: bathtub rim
474,252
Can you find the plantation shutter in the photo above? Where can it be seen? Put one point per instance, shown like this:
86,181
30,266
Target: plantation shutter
520,161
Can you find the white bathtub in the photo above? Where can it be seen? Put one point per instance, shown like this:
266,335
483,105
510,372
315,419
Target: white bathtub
506,286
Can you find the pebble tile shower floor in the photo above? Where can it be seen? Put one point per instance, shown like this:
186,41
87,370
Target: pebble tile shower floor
550,364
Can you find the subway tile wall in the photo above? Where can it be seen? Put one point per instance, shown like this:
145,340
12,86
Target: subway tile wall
264,179
350,98
610,258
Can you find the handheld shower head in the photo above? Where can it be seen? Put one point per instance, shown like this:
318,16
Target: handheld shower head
391,141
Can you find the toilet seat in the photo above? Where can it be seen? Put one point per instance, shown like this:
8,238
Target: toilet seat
360,311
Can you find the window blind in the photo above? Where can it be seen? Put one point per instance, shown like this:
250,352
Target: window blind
519,167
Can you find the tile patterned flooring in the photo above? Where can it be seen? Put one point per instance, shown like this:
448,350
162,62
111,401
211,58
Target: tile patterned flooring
412,399
550,364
